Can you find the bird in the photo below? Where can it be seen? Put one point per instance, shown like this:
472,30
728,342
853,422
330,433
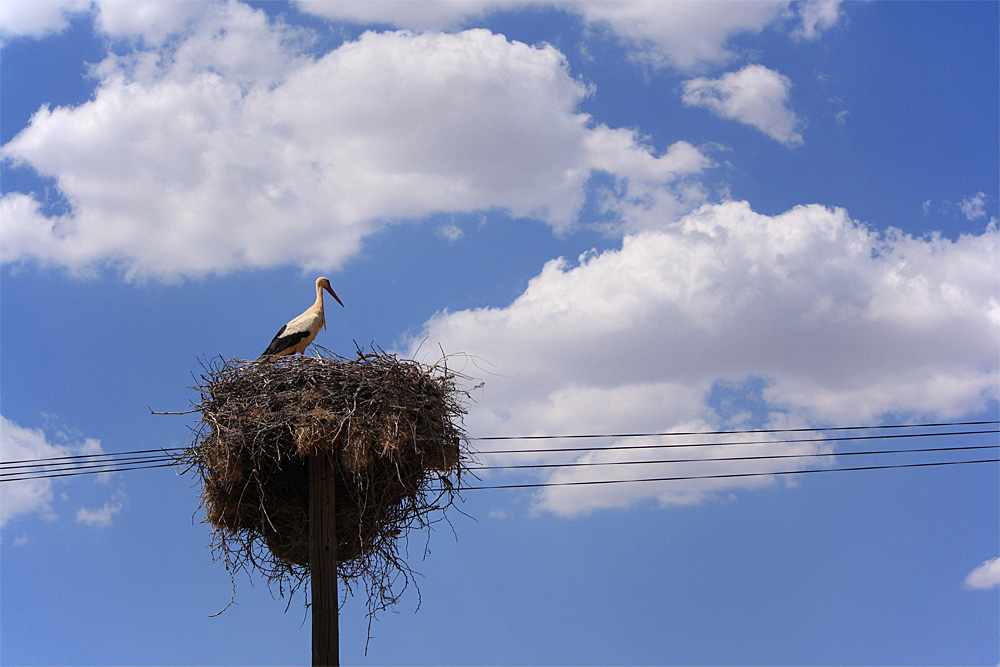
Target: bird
295,336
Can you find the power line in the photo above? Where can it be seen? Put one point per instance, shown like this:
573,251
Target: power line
65,466
92,461
141,456
11,464
72,472
627,481
613,435
577,464
547,450
24,471
169,461
741,432
725,476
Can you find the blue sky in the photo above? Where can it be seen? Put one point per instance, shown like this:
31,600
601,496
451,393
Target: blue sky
620,217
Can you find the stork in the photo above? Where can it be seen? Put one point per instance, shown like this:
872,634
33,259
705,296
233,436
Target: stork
295,336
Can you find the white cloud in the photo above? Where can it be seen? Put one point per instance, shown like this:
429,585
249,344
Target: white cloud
101,516
754,95
817,16
25,18
683,35
25,497
450,231
33,496
974,207
843,325
433,15
190,157
986,576
238,44
151,20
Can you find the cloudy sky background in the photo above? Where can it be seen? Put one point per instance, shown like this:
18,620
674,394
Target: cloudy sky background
620,217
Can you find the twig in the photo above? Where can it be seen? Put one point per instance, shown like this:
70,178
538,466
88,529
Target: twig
185,412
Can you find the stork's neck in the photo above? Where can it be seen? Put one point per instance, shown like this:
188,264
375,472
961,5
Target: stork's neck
319,298
318,306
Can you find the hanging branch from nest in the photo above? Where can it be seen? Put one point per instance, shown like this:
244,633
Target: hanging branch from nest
394,429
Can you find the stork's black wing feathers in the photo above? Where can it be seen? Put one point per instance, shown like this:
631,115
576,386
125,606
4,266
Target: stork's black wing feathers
283,342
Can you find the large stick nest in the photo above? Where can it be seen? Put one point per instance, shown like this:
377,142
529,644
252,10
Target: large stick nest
391,428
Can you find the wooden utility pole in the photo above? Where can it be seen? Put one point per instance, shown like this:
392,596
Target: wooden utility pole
323,560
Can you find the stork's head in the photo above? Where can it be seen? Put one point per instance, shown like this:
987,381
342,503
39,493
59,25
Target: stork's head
325,284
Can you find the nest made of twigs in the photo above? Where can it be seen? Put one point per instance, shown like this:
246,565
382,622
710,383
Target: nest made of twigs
391,428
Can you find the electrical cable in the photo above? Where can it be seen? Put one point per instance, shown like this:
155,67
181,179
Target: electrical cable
91,456
548,450
124,456
138,456
92,461
64,466
577,464
72,473
164,462
620,435
758,430
92,467
725,476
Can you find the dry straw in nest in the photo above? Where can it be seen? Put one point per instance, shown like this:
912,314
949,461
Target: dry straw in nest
391,428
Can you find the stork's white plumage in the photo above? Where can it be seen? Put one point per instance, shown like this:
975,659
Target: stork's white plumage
297,334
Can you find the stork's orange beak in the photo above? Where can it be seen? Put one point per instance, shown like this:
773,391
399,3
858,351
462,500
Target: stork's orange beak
334,295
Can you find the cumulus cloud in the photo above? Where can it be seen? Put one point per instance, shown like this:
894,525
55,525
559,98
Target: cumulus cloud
754,95
984,577
682,35
817,16
152,21
838,322
229,149
450,231
974,207
434,15
35,496
102,517
688,35
37,19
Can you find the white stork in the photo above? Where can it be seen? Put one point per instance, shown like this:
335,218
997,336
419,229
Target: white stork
297,334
